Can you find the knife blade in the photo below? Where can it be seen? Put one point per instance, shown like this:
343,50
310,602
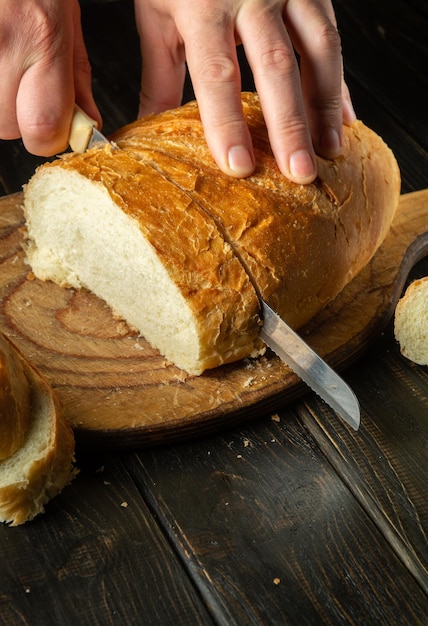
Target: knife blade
84,133
309,366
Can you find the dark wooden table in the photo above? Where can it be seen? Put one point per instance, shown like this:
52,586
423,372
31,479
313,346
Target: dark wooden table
292,520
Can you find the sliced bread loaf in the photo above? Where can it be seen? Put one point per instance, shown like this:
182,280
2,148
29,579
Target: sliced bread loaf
182,252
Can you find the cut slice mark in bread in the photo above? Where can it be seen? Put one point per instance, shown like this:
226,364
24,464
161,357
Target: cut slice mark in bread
211,216
127,262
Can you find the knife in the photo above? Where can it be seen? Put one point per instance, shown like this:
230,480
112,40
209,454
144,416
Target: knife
282,339
310,367
84,133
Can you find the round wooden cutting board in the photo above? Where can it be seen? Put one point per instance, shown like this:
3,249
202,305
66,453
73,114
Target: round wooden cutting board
118,391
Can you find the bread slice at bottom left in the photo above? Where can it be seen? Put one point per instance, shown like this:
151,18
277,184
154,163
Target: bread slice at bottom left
44,464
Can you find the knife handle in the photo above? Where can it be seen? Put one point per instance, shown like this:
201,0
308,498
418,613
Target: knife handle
80,130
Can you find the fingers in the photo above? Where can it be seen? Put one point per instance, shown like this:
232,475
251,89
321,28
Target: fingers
276,75
42,70
315,37
44,102
213,66
304,104
43,123
194,32
46,68
163,61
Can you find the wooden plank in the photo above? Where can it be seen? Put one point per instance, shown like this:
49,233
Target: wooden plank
385,464
96,557
271,534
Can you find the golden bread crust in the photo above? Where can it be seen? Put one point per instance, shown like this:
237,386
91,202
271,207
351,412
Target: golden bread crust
14,400
226,241
200,263
300,244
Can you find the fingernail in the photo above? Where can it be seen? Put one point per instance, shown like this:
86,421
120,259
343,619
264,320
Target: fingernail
302,166
330,144
240,161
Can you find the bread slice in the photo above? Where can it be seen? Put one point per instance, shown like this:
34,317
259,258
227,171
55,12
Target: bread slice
44,463
14,400
411,322
182,252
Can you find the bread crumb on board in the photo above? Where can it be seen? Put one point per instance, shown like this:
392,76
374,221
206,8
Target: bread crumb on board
249,382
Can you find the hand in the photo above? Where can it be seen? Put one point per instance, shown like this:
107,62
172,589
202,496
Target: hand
44,69
304,109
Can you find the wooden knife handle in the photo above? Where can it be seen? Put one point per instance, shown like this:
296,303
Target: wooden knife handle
80,130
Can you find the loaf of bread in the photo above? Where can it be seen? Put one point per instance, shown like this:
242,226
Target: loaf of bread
43,463
183,252
411,322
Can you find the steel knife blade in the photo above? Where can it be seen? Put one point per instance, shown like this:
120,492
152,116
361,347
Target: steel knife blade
84,133
309,366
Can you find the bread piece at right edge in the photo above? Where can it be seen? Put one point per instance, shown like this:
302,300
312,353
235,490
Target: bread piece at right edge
44,464
411,322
